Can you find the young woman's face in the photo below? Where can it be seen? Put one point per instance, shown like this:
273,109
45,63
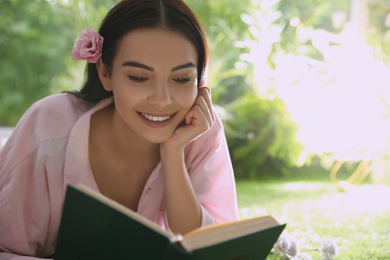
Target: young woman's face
154,82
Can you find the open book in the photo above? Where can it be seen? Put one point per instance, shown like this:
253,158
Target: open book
96,227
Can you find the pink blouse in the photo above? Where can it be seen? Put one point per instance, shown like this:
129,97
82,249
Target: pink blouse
49,149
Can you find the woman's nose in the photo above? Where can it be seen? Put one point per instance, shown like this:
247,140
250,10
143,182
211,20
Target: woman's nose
161,94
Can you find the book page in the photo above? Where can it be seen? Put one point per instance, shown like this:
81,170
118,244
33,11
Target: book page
218,233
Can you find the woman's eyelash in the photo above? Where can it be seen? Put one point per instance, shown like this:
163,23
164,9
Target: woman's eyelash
137,79
140,79
182,80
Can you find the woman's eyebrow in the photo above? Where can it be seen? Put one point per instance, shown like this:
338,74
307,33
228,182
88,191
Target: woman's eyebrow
184,66
137,65
146,67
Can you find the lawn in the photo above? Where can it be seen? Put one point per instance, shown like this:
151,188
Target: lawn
356,220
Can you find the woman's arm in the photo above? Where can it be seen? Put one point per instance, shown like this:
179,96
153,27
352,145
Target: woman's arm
183,209
195,181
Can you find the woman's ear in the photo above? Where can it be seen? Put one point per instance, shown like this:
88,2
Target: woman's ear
104,74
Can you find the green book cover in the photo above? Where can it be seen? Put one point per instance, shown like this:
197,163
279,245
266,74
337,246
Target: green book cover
95,227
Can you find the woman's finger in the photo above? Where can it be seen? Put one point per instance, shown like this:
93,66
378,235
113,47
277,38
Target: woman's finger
205,93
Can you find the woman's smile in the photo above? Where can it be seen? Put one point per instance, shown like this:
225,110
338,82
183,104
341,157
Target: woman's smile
155,118
155,121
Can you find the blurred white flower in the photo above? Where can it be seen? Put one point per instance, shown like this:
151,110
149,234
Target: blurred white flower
290,248
329,249
288,244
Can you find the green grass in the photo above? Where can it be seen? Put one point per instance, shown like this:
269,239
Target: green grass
358,219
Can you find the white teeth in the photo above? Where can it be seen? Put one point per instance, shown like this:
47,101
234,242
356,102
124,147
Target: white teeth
156,118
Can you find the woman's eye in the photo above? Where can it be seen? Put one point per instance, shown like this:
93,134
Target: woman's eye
137,79
183,80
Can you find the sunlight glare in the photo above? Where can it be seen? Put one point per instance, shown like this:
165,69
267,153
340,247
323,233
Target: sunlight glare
372,199
295,21
337,104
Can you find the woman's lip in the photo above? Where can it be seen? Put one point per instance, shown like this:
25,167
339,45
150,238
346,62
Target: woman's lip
150,116
157,123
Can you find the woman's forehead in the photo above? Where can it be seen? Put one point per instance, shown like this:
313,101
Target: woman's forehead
148,44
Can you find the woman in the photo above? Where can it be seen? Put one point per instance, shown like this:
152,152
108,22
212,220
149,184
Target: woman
141,131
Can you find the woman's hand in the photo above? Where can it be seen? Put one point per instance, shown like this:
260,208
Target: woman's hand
198,120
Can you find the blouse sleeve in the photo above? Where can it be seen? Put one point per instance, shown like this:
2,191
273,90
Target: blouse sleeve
211,173
28,204
30,198
6,256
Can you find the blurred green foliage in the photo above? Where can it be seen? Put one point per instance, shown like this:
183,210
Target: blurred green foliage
378,31
313,14
261,137
37,36
33,45
224,27
36,39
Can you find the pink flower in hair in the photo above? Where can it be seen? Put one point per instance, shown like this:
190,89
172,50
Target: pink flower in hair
88,46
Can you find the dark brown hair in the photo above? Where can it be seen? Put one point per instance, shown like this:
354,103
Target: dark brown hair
128,15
